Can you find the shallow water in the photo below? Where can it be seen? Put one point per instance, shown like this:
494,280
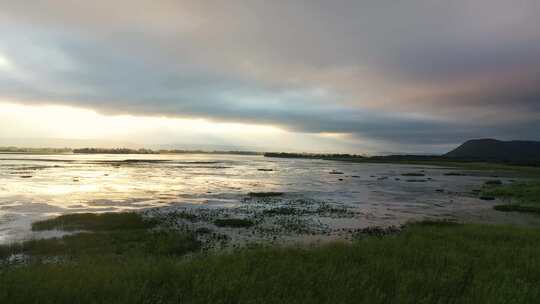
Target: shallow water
33,187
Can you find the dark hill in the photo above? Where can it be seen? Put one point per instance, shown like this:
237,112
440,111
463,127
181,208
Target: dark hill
492,150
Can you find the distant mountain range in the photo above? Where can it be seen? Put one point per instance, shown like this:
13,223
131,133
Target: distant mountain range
519,152
516,152
492,150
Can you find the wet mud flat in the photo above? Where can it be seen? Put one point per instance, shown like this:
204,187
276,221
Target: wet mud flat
285,219
262,217
243,199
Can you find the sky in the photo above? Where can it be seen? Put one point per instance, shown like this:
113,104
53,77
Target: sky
417,76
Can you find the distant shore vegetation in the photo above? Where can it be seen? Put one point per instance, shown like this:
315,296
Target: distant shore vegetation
113,151
470,154
522,153
11,149
150,151
441,160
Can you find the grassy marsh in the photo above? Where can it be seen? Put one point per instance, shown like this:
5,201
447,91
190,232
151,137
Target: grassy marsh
123,258
425,263
104,234
523,196
95,222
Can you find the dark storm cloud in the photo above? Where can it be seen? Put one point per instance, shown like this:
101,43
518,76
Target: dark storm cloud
425,72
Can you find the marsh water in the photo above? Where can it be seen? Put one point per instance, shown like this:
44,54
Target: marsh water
34,187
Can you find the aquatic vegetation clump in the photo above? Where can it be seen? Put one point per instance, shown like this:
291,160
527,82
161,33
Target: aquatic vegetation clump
495,182
487,198
234,223
335,172
281,211
455,174
95,222
105,234
265,194
521,197
413,174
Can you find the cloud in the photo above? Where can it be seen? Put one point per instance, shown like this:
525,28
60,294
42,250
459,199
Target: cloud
410,72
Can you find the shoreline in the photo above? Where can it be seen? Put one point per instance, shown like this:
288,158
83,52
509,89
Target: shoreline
431,192
132,258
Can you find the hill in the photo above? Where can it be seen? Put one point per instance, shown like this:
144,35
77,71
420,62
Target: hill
492,150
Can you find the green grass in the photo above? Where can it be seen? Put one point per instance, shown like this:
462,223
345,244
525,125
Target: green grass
106,234
522,197
426,263
95,222
124,242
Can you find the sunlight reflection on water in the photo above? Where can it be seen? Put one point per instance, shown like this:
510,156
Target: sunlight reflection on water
37,186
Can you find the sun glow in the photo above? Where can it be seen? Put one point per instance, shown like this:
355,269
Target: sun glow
68,122
5,64
66,126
